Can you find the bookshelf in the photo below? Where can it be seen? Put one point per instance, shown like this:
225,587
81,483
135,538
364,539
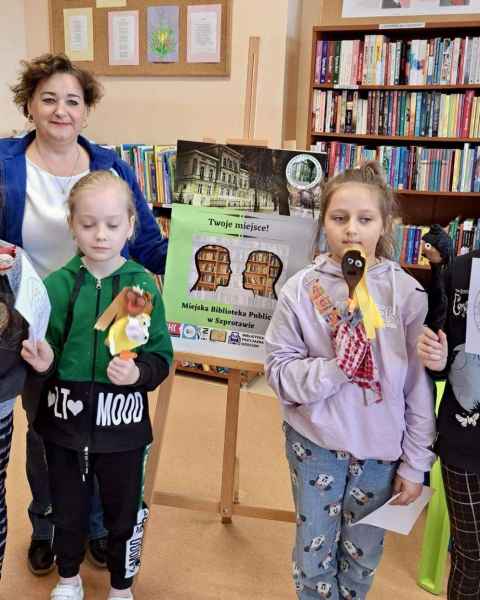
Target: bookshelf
261,272
409,97
213,265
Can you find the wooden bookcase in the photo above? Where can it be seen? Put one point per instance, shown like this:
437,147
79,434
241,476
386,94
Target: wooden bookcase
417,207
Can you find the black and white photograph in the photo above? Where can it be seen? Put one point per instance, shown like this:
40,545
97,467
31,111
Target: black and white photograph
249,178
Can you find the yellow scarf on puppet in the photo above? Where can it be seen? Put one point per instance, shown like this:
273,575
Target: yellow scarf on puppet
354,270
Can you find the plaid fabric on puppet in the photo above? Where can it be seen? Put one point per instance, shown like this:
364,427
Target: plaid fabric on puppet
352,347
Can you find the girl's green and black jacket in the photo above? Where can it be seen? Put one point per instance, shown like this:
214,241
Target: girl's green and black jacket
80,408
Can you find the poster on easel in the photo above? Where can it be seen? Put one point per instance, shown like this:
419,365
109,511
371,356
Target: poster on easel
224,273
238,215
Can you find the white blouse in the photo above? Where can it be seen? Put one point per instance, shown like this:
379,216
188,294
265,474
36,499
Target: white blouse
46,236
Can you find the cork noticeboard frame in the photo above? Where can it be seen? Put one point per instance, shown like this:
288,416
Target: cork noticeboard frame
182,68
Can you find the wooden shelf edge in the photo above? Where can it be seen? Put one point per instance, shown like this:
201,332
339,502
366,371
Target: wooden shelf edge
364,27
400,86
438,194
399,138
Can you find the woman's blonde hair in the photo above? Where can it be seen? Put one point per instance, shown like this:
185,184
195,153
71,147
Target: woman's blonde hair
371,174
96,180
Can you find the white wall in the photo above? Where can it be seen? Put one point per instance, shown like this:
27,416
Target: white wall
12,50
161,109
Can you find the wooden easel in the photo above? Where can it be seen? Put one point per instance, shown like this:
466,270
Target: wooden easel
228,504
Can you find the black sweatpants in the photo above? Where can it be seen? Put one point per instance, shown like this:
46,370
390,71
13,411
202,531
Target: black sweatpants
120,478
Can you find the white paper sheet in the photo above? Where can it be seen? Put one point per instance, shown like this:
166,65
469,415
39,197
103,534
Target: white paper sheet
203,33
78,25
472,339
32,301
400,519
123,38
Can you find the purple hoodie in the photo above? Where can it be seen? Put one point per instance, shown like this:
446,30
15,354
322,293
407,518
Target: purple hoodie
318,400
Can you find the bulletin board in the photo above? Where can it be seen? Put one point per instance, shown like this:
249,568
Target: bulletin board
100,64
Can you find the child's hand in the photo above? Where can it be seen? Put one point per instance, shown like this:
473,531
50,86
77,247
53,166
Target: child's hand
409,491
432,349
37,354
123,372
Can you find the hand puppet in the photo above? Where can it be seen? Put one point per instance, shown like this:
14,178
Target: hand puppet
354,272
130,312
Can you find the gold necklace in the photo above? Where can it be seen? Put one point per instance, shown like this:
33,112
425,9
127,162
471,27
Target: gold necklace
64,189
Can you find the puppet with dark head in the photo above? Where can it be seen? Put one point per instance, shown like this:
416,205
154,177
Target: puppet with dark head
437,247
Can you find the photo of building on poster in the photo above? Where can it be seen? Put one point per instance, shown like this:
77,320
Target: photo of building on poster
248,178
224,274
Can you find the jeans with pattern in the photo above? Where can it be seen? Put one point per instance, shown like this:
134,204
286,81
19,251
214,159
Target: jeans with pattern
333,490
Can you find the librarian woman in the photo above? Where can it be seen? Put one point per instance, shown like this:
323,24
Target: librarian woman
37,172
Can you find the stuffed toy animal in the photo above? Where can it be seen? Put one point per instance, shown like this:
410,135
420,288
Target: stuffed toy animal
130,312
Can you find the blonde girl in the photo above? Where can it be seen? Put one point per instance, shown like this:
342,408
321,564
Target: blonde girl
94,411
358,417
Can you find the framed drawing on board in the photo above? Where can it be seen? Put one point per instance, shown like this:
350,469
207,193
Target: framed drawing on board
142,38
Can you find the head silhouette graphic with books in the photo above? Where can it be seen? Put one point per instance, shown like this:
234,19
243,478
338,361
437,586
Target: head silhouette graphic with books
262,271
213,268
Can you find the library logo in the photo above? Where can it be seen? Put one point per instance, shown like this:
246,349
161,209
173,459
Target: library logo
189,332
304,172
234,338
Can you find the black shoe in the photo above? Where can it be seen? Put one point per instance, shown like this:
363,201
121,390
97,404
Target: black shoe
40,560
97,552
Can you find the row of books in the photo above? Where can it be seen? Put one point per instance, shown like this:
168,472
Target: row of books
154,168
397,113
464,236
412,167
407,240
375,60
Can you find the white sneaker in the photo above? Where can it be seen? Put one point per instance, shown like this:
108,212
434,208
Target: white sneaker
66,591
122,598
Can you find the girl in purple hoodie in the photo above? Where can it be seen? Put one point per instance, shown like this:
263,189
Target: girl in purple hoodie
358,412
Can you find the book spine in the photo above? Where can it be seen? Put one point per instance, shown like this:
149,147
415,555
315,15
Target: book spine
318,60
323,60
336,62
